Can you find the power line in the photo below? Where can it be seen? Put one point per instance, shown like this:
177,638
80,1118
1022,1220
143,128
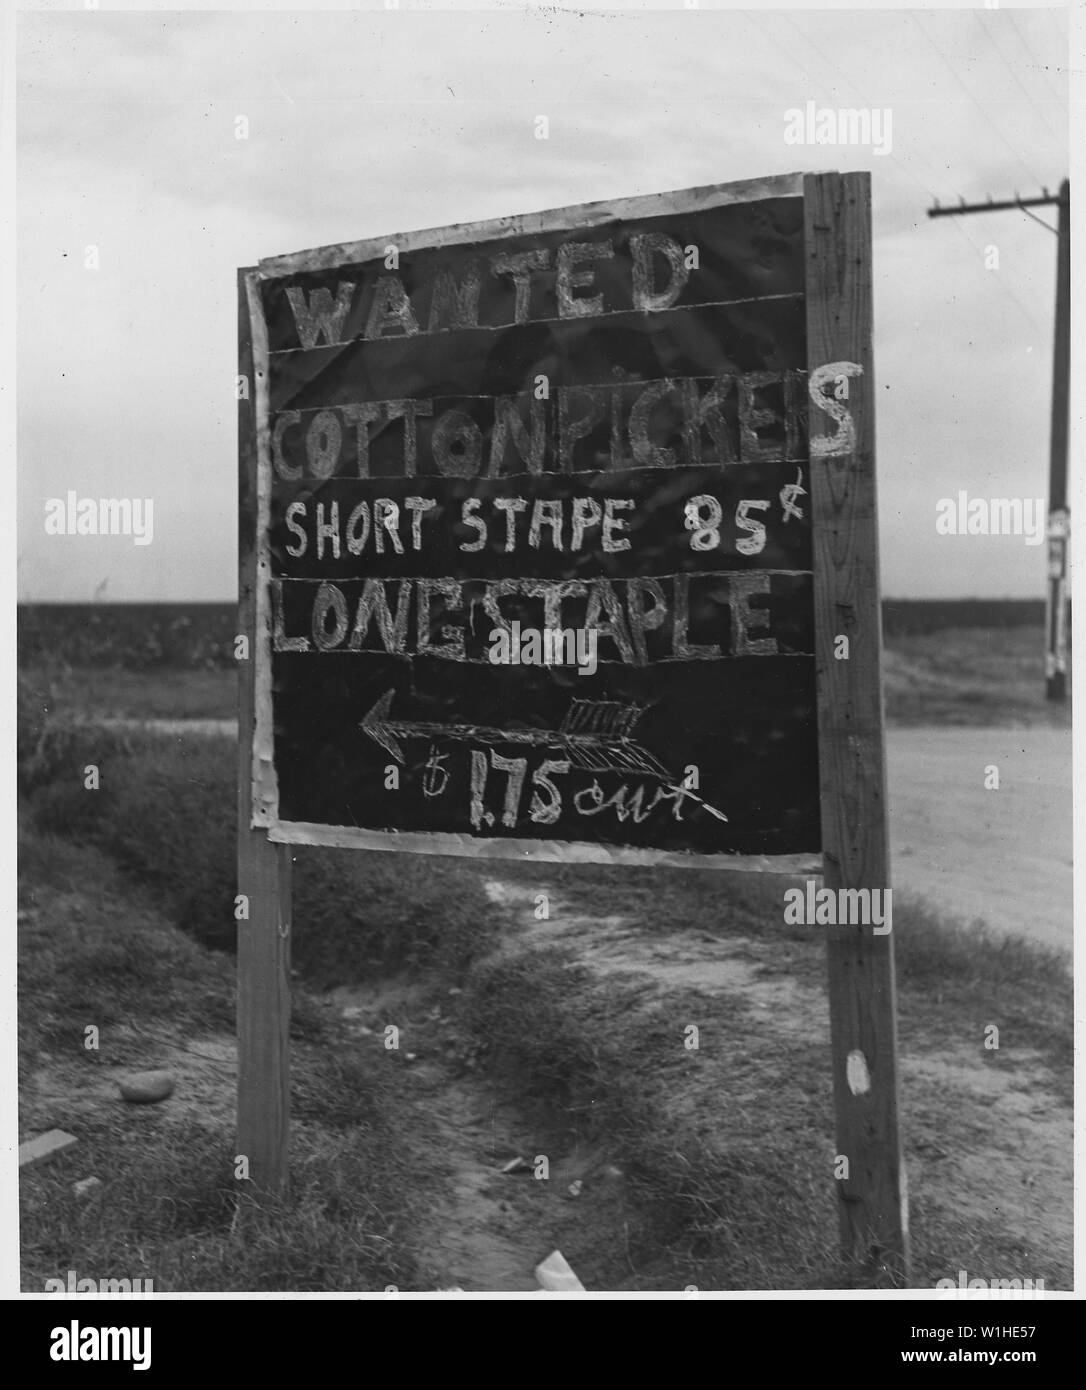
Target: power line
1010,67
1002,281
1018,81
902,164
1057,96
970,96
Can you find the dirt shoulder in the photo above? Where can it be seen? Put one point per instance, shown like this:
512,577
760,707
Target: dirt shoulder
746,1119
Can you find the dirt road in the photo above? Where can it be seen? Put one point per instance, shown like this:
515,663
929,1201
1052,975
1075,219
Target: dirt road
1004,855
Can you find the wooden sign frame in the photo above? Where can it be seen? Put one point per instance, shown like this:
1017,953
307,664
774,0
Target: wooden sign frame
872,1202
855,853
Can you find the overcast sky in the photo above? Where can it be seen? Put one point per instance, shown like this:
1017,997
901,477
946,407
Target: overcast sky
371,122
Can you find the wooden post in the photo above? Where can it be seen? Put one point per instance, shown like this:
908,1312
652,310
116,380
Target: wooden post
1058,517
855,843
264,869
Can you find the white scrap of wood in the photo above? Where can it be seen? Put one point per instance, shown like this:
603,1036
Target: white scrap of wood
555,1275
45,1147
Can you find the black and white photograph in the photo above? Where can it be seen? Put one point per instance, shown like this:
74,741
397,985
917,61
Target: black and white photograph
543,647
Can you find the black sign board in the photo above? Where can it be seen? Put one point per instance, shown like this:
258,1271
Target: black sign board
534,522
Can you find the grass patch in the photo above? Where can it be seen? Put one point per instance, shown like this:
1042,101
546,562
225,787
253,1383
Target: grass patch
98,959
713,1204
165,811
113,692
712,900
979,676
93,951
169,1212
956,977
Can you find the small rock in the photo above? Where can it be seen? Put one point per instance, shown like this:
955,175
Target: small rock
517,1165
575,1188
147,1087
454,991
85,1186
410,1056
352,1011
611,1172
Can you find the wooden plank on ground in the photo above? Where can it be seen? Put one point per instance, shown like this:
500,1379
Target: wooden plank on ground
45,1147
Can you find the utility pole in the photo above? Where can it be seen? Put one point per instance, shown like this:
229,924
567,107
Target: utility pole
1059,517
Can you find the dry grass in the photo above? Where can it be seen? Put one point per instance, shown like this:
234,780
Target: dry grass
93,951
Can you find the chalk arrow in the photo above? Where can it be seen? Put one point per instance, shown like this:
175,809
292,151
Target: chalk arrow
572,734
594,734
